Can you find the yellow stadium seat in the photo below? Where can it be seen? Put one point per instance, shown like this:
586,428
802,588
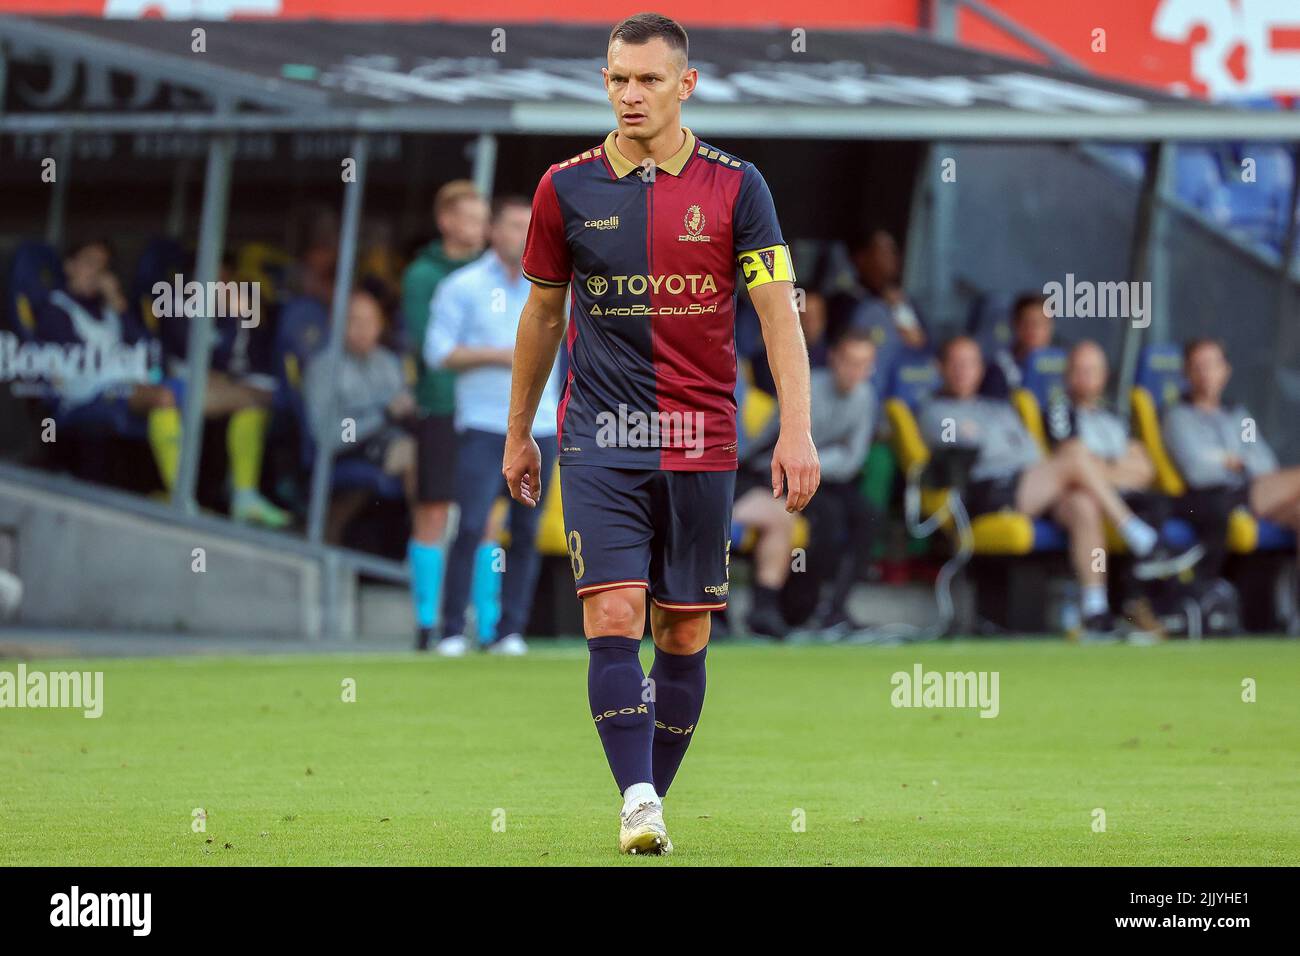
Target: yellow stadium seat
1026,405
1002,533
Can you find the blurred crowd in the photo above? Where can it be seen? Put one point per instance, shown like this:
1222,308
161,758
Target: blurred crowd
414,414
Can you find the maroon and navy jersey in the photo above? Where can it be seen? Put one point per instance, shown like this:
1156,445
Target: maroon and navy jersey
651,254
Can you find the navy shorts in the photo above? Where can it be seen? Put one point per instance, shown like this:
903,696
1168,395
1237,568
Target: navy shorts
666,531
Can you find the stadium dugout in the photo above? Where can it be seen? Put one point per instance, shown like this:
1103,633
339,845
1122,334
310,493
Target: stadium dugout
833,99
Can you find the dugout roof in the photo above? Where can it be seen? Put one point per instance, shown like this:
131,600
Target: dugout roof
450,77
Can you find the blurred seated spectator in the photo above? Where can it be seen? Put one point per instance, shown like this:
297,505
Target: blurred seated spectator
362,408
1011,473
239,385
844,412
118,391
127,395
880,270
312,274
840,519
1083,415
1223,459
1032,328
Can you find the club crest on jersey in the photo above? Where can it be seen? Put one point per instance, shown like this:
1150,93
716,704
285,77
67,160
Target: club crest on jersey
694,222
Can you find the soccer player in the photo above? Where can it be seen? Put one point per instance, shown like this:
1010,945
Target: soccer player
646,230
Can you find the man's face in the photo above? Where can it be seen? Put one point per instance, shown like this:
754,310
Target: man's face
465,223
878,263
1033,328
963,369
365,324
852,362
646,84
510,234
1085,376
1208,372
85,271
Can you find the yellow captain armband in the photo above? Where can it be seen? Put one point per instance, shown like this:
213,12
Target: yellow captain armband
769,264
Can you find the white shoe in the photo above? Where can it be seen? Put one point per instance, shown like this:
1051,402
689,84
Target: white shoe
642,832
453,646
512,645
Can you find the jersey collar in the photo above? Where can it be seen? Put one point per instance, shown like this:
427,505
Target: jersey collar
673,164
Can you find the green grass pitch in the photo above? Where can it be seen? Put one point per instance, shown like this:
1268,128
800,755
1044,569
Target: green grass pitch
489,761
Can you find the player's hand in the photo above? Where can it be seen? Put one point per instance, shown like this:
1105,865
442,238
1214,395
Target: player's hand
795,464
522,467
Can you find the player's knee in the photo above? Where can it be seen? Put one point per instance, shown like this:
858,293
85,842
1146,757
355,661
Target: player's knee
683,637
615,614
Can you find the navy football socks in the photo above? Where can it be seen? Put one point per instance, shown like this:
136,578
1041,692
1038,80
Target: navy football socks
621,707
679,698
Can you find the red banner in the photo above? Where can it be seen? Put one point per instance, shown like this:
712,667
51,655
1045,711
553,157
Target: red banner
825,13
1217,48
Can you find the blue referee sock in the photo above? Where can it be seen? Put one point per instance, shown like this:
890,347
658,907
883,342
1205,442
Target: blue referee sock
426,581
485,592
624,719
679,698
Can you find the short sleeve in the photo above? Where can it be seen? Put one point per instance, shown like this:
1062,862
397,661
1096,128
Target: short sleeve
756,233
546,253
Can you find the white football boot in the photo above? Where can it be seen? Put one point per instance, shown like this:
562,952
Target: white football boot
642,832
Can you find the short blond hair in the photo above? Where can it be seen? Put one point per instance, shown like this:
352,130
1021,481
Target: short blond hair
450,194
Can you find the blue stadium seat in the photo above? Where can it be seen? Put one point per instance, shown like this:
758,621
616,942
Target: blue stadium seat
1259,209
1160,372
914,377
1044,374
35,271
161,260
1131,160
300,333
1198,181
989,321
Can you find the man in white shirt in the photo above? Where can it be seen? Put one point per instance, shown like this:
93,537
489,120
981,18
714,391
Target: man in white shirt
472,324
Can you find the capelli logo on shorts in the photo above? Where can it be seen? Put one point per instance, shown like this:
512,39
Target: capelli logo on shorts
622,711
718,590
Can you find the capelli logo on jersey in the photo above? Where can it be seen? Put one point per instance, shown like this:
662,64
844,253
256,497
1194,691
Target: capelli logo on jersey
694,221
639,285
610,223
